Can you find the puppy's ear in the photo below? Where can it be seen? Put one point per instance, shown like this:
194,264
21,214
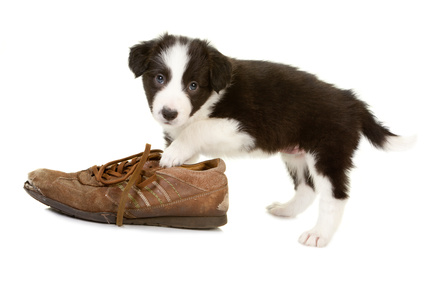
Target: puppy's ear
220,71
138,61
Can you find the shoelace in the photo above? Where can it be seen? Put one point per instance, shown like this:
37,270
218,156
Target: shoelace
119,170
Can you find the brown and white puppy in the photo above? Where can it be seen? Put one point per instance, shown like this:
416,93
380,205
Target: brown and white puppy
214,105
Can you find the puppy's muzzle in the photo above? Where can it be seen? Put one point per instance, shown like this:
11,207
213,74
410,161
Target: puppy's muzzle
169,114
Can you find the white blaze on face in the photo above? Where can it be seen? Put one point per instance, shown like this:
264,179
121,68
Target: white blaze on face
172,96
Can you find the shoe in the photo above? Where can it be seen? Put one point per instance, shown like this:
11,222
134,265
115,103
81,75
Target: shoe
136,190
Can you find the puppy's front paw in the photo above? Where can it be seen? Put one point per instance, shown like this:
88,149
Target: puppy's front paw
175,156
281,209
314,239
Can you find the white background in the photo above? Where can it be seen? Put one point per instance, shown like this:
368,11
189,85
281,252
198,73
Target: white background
69,101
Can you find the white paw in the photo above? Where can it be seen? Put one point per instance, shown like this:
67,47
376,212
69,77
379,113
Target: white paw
175,156
314,239
281,209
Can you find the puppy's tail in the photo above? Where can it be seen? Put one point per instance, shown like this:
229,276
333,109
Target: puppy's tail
381,137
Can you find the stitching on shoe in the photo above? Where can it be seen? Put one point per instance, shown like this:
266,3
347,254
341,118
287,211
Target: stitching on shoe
163,191
159,175
180,200
133,200
153,193
176,178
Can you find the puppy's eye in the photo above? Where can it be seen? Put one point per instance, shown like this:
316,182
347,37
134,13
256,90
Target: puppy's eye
160,79
193,86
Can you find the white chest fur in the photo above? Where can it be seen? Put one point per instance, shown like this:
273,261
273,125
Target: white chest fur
213,137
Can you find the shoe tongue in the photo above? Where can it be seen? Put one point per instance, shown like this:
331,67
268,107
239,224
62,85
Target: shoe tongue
151,165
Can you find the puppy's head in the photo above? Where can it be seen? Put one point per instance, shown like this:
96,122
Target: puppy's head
179,75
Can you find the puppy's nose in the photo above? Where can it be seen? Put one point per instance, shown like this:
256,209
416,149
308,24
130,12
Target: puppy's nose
169,114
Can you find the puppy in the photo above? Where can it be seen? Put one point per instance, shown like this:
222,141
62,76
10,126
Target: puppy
214,105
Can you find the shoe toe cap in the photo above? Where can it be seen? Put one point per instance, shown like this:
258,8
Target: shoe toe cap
44,178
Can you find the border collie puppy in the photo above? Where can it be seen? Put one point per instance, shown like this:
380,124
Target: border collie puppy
215,105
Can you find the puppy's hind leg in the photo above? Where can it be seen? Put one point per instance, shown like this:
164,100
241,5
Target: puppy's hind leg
332,185
305,192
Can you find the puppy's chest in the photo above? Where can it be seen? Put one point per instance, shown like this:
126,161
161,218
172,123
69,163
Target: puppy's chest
172,133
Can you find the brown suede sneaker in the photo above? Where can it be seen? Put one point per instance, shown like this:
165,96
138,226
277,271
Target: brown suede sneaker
135,190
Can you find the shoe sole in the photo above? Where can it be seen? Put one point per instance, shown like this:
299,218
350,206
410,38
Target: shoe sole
189,222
